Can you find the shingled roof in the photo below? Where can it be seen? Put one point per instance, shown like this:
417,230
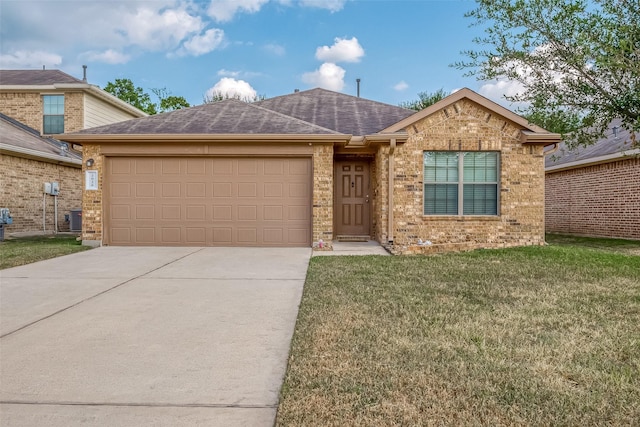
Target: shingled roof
35,77
333,110
614,142
20,138
224,117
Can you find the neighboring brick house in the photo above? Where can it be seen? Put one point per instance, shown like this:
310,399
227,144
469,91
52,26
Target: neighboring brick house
595,190
49,103
315,166
27,161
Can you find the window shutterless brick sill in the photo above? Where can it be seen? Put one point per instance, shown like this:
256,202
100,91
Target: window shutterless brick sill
461,218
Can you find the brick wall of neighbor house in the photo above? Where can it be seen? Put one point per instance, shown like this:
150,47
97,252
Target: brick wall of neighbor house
466,126
92,199
323,194
600,200
26,107
21,190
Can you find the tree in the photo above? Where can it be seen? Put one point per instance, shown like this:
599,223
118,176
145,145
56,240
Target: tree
424,100
169,102
575,57
129,93
211,97
559,121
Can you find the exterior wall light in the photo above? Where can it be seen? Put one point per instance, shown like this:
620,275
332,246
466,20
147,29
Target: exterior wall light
90,163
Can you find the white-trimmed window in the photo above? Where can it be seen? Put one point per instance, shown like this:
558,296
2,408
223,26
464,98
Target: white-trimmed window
53,118
461,183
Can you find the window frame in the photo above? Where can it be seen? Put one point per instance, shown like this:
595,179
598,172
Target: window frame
46,128
460,183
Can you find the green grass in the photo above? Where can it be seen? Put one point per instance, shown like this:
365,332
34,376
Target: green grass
630,247
25,250
526,336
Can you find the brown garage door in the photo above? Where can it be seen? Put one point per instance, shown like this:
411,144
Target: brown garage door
153,201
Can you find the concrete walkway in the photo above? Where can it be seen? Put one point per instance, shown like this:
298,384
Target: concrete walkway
148,336
354,248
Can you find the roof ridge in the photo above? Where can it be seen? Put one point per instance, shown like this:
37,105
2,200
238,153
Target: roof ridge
294,118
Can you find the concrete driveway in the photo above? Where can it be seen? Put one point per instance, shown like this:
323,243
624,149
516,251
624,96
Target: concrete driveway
148,336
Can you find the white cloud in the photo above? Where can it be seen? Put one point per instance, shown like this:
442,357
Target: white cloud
330,5
201,44
275,49
232,88
155,30
225,10
400,86
109,56
29,59
501,88
328,76
343,50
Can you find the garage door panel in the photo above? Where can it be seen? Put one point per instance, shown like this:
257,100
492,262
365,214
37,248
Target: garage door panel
208,201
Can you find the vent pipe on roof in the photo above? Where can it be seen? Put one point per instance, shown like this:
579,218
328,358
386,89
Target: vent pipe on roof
84,73
296,90
358,85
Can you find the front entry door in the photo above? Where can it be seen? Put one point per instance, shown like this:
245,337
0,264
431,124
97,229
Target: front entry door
352,208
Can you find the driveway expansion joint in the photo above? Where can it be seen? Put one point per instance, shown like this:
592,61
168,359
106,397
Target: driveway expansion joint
96,295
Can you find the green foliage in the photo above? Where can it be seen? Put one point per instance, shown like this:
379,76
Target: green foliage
425,99
581,57
169,102
136,96
129,93
557,120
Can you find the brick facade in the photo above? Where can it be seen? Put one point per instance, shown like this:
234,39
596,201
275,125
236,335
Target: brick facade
27,108
598,200
21,191
467,126
323,194
92,199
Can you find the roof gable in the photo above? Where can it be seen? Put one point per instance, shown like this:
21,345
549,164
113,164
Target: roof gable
333,110
35,77
457,96
224,117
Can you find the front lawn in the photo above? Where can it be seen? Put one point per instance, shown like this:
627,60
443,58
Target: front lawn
528,336
25,250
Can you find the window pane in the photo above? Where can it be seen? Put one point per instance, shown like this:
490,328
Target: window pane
480,167
440,166
480,199
440,199
53,124
53,104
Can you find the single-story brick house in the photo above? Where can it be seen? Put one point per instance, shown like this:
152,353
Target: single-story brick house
316,166
27,161
595,190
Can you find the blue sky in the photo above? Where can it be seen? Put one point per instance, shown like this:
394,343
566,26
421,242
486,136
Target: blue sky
267,47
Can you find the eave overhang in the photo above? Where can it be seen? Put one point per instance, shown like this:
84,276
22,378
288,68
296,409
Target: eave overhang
80,87
535,138
203,138
592,161
38,155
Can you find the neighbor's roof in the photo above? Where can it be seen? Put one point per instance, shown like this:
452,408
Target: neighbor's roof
224,117
35,77
614,145
333,110
23,141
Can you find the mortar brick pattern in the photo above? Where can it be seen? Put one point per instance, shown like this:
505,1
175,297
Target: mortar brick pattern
599,200
21,191
467,126
27,108
323,194
92,199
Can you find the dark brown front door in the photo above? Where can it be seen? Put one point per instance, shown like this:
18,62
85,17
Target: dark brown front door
352,198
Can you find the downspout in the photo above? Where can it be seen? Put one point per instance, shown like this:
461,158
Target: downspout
553,150
392,149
